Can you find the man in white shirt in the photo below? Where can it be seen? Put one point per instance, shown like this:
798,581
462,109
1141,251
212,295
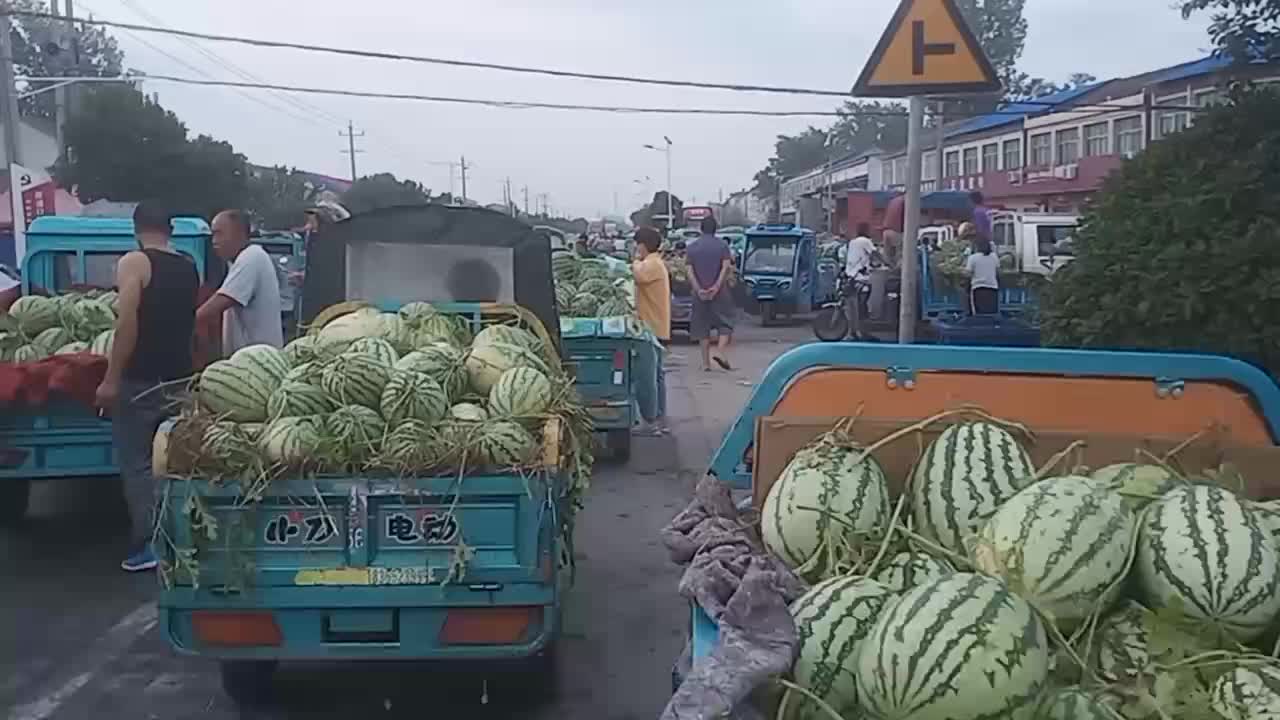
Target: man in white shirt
861,254
249,300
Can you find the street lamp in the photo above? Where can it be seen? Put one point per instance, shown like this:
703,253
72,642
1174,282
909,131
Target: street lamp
671,221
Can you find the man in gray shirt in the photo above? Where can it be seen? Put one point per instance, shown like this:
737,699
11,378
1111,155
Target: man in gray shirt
249,300
710,265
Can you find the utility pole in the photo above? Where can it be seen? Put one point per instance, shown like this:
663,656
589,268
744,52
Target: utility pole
59,94
908,297
464,179
8,95
940,107
511,206
351,150
526,199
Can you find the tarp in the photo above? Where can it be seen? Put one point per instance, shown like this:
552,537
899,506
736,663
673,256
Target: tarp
29,385
746,590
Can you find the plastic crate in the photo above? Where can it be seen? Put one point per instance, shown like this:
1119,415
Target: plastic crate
987,330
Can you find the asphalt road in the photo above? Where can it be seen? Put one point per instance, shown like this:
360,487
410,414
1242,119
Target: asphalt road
80,638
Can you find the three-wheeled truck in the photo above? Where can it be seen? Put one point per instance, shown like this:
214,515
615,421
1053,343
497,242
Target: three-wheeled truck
374,567
65,438
1111,402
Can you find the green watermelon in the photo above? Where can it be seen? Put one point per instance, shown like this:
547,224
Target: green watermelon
832,620
234,391
356,378
292,441
521,392
413,395
909,569
295,398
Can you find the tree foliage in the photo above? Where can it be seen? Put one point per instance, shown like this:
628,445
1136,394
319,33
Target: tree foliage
278,196
1181,248
123,147
383,190
44,48
658,206
1243,29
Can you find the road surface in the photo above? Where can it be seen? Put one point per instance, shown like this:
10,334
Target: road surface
81,638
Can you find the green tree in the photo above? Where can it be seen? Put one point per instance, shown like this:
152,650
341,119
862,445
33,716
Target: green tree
44,48
1181,248
1001,30
123,147
1243,29
383,190
278,196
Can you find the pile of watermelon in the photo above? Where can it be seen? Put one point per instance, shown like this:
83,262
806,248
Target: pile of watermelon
411,392
592,286
38,327
989,591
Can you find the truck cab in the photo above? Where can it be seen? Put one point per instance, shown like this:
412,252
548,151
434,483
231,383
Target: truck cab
1041,243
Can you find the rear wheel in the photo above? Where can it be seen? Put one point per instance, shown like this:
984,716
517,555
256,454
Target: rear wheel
619,442
14,495
248,682
830,324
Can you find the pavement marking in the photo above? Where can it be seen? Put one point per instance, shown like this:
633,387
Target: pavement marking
105,649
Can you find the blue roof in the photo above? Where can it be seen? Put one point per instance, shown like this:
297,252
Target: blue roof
77,225
1205,66
1009,113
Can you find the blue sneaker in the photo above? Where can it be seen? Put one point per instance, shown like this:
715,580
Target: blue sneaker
140,561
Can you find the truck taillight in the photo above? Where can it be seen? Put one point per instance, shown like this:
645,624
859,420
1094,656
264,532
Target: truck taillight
619,359
236,629
488,626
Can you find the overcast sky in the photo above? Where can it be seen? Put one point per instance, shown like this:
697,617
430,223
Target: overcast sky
582,160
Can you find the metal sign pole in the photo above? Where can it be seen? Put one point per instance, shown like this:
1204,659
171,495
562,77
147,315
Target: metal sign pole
908,297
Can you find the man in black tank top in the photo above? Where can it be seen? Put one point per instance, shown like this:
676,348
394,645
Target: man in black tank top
152,349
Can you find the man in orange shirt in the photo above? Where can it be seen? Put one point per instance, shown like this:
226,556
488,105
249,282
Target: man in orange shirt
653,305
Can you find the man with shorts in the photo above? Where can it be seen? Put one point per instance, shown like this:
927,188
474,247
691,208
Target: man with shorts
711,264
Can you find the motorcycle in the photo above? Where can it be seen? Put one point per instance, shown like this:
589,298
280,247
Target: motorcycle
831,324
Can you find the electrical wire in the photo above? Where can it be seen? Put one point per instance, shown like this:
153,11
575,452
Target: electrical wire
453,62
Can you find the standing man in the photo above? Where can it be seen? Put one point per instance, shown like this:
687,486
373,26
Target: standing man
653,305
249,300
981,216
861,254
895,218
710,264
154,331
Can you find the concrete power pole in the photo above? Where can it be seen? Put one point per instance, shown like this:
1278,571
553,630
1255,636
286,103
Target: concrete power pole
8,95
526,199
464,179
351,150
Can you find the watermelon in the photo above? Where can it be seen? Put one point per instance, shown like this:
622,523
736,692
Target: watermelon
396,332
302,350
507,334
340,332
1137,484
564,296
1062,544
52,339
295,398
353,378
909,569
378,348
961,647
468,412
292,441
411,446
413,395
265,362
307,372
1268,513
1204,552
1126,651
229,443
520,392
34,314
415,313
443,362
439,327
835,479
584,305
614,307
1248,693
353,433
504,444
30,353
72,348
1077,703
486,363
231,390
832,619
101,344
86,318
965,474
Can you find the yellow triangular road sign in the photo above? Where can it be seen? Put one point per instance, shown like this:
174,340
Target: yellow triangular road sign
927,49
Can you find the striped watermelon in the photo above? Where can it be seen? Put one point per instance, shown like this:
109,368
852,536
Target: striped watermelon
72,348
1077,703
614,307
486,363
52,339
837,480
509,334
292,441
415,395
1124,648
584,305
410,447
415,313
564,296
101,344
229,444
504,444
340,332
230,390
468,412
307,372
264,361
395,331
1248,693
30,353
34,314
352,433
1062,544
302,350
294,399
443,362
520,392
87,317
1204,552
962,647
378,348
1268,513
1137,484
832,619
965,474
353,378
909,569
